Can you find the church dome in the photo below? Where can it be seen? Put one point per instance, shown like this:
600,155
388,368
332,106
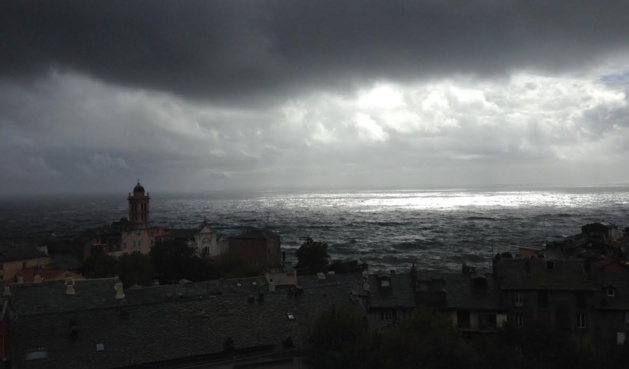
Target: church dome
138,188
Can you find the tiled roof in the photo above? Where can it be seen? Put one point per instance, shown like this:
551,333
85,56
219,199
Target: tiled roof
399,294
179,233
47,274
150,333
258,234
12,253
480,293
354,281
522,274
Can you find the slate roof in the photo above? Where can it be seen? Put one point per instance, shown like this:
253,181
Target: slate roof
256,234
51,297
399,294
464,292
535,274
354,281
12,253
180,233
164,330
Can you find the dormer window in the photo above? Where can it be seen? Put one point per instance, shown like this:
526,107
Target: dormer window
100,346
519,301
384,280
550,265
611,292
38,354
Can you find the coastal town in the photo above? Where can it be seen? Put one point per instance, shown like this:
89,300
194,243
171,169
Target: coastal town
261,312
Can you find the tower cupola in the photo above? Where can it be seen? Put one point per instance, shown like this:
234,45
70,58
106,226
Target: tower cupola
139,207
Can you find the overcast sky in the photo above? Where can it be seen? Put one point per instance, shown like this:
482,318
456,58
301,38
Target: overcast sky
265,95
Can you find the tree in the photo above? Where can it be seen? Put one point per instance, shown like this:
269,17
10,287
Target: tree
175,260
426,340
135,268
339,338
313,255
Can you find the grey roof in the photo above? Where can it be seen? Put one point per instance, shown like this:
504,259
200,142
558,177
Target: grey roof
181,233
12,253
399,294
257,234
354,281
464,292
51,297
534,274
168,330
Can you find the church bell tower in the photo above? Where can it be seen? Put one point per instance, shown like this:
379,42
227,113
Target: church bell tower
139,207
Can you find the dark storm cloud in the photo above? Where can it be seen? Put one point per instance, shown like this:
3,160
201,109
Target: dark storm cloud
231,49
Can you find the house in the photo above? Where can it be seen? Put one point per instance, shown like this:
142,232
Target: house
555,293
206,241
474,302
39,274
603,231
257,247
96,324
15,258
610,279
390,297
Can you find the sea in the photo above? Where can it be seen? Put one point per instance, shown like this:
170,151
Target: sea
387,229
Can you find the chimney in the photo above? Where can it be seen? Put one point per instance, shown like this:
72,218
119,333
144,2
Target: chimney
119,290
271,286
20,279
70,286
37,278
7,291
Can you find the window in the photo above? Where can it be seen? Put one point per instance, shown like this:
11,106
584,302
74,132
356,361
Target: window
519,301
550,265
487,321
620,338
626,317
100,346
386,315
581,300
463,319
581,320
134,244
611,292
542,299
39,354
519,319
139,243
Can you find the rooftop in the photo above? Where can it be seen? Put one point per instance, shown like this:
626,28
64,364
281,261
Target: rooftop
132,333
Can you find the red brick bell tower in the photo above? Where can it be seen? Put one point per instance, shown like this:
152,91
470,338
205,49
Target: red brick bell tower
139,207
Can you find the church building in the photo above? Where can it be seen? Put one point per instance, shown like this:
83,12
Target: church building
140,236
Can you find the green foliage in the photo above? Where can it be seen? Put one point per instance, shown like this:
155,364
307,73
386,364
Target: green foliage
231,265
175,260
134,268
313,255
100,265
426,340
339,338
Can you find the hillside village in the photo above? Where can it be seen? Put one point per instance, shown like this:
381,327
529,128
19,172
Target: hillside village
56,318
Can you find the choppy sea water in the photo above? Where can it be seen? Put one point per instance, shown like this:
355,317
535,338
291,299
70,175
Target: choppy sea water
387,229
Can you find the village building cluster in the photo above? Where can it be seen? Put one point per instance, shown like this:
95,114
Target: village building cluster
579,286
